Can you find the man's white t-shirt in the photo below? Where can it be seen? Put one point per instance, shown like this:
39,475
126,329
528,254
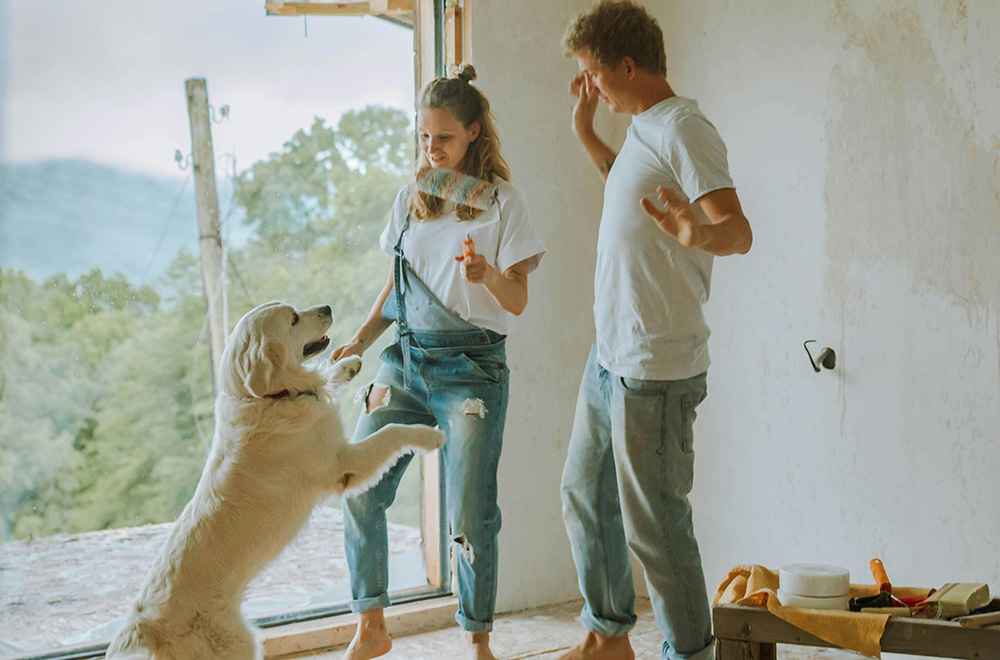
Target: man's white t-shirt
503,234
648,288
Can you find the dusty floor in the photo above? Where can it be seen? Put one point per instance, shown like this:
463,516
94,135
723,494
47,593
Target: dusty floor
72,588
546,633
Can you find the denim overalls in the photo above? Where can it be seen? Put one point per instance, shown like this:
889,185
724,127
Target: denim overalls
447,372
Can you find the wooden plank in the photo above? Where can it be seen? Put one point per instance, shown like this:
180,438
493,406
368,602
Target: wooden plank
764,651
430,517
467,30
757,624
387,7
453,41
424,45
941,639
728,649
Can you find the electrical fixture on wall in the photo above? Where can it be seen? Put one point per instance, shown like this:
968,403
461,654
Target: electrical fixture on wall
827,357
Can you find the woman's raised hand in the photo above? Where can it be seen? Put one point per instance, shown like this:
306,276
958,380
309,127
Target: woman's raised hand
474,266
353,347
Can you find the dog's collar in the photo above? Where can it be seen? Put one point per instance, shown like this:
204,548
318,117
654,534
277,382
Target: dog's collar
284,394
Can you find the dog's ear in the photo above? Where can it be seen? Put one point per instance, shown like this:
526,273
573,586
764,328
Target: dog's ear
264,361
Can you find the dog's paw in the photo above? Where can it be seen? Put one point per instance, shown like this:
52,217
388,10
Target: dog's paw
432,438
346,369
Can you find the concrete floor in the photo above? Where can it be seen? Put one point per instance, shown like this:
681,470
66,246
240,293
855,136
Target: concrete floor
546,633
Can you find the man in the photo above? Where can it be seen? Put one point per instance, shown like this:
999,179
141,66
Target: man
631,461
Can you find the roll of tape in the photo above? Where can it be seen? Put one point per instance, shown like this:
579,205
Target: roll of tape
814,580
812,602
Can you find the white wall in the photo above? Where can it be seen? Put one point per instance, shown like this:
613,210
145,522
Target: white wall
864,137
518,56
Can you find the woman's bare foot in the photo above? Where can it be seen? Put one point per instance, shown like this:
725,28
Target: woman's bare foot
599,647
479,646
371,639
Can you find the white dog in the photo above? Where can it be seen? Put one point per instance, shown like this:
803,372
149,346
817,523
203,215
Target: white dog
279,449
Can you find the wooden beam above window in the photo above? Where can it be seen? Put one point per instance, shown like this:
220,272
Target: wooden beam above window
322,8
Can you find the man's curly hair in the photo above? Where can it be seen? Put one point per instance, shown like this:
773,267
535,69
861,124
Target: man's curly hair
614,29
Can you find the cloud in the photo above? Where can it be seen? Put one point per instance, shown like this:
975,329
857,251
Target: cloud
108,84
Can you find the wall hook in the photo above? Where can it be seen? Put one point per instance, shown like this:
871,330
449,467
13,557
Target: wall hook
827,358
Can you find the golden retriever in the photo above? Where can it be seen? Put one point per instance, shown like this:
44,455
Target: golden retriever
279,449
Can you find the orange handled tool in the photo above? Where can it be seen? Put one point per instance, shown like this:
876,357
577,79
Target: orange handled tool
468,248
881,578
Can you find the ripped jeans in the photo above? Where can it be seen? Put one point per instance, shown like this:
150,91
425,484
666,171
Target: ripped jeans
460,386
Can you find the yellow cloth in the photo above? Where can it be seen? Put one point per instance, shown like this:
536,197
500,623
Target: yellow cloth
756,585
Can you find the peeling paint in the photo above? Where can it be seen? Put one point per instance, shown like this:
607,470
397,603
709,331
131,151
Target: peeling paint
907,181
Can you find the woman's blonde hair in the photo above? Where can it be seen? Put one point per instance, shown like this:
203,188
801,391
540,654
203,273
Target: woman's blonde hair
468,105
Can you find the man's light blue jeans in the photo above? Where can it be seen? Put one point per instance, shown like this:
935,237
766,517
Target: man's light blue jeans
625,485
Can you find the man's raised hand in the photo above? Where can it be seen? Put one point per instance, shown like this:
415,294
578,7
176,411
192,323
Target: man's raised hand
587,99
677,220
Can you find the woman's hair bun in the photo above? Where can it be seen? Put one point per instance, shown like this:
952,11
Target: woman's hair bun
465,73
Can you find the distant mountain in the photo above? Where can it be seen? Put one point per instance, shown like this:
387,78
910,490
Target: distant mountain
70,216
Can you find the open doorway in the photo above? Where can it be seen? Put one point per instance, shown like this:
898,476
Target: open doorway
105,376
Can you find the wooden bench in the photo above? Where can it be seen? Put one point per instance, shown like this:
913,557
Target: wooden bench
752,633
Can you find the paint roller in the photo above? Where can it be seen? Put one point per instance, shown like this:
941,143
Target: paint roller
456,187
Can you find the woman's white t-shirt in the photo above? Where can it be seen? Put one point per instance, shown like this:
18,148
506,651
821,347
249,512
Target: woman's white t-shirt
503,234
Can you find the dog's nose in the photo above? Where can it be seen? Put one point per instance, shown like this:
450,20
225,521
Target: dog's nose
325,310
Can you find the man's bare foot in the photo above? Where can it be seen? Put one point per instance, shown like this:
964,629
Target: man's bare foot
479,646
599,647
371,639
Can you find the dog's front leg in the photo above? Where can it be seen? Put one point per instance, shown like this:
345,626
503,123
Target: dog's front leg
344,370
362,464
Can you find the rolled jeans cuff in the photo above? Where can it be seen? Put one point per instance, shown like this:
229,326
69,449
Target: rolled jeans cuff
604,626
468,625
379,602
707,653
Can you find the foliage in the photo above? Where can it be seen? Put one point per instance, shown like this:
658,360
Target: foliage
105,385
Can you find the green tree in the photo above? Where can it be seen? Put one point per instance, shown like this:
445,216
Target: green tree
112,415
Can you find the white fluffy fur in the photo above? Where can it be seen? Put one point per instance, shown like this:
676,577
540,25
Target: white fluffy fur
272,460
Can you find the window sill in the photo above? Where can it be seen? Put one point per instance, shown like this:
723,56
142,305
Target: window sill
335,631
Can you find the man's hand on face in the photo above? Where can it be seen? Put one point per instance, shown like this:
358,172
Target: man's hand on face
677,220
587,99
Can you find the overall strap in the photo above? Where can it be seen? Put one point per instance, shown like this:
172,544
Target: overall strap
398,273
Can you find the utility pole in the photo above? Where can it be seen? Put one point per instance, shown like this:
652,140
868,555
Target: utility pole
207,198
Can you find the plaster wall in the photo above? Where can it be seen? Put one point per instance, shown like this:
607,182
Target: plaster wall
521,68
864,140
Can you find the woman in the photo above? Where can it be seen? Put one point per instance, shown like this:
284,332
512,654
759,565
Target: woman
448,366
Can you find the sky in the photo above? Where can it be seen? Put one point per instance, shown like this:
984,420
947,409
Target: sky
104,81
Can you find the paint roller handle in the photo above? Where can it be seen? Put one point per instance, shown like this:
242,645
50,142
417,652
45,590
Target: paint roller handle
881,578
468,248
469,245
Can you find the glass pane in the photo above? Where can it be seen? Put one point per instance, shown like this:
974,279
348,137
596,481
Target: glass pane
105,381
